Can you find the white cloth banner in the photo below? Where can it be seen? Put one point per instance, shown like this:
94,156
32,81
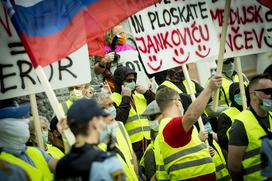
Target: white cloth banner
172,33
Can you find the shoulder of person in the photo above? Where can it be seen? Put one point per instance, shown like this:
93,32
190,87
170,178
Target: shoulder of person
107,168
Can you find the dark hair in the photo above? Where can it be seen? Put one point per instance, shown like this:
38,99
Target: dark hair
79,128
256,79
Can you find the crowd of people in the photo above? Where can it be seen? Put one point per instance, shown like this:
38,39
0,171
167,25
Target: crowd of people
128,132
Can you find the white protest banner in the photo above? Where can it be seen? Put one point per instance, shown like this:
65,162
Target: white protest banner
18,77
247,30
130,59
172,33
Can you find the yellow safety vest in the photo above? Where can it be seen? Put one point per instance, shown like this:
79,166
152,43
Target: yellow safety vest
39,172
123,144
66,105
150,146
54,151
231,112
252,159
136,125
221,172
171,85
161,173
190,161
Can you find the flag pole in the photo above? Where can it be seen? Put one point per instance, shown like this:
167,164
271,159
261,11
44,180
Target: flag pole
54,102
36,121
192,95
241,82
222,49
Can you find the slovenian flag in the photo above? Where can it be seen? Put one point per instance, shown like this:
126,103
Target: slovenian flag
52,29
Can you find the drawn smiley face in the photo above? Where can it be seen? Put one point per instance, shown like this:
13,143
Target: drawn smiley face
202,51
154,64
180,53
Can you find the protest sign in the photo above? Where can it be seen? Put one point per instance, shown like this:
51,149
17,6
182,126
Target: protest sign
172,33
18,77
248,27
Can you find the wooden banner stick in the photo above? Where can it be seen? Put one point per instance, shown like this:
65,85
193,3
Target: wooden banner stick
192,95
241,82
222,49
36,121
54,102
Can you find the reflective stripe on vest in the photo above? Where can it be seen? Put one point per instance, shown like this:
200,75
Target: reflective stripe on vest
125,136
184,152
189,161
40,172
150,146
54,151
231,112
171,85
66,105
161,173
137,127
252,159
220,163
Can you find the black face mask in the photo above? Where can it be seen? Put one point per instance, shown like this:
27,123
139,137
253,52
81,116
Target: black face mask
176,76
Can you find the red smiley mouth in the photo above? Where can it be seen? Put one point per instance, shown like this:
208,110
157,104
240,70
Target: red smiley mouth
155,68
183,61
203,56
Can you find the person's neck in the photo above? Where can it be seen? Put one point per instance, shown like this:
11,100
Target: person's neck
261,113
170,112
91,139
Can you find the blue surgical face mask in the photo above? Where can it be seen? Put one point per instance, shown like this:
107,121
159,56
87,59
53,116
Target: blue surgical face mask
45,137
103,136
208,127
130,85
238,99
266,105
111,110
112,128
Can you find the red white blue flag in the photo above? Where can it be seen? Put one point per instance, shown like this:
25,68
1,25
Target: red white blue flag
52,29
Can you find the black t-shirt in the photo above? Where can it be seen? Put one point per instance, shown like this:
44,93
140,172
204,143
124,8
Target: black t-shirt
223,124
238,136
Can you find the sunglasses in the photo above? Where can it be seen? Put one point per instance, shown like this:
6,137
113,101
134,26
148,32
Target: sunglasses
267,91
130,80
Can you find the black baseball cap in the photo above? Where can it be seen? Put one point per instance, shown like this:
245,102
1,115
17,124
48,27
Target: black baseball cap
83,110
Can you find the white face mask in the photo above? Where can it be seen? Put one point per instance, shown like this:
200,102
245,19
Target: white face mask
130,85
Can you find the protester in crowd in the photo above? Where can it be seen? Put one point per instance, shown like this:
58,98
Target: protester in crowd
130,101
177,135
14,133
148,162
226,118
44,123
115,42
53,151
119,141
86,161
11,172
54,136
244,160
229,76
75,93
175,80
